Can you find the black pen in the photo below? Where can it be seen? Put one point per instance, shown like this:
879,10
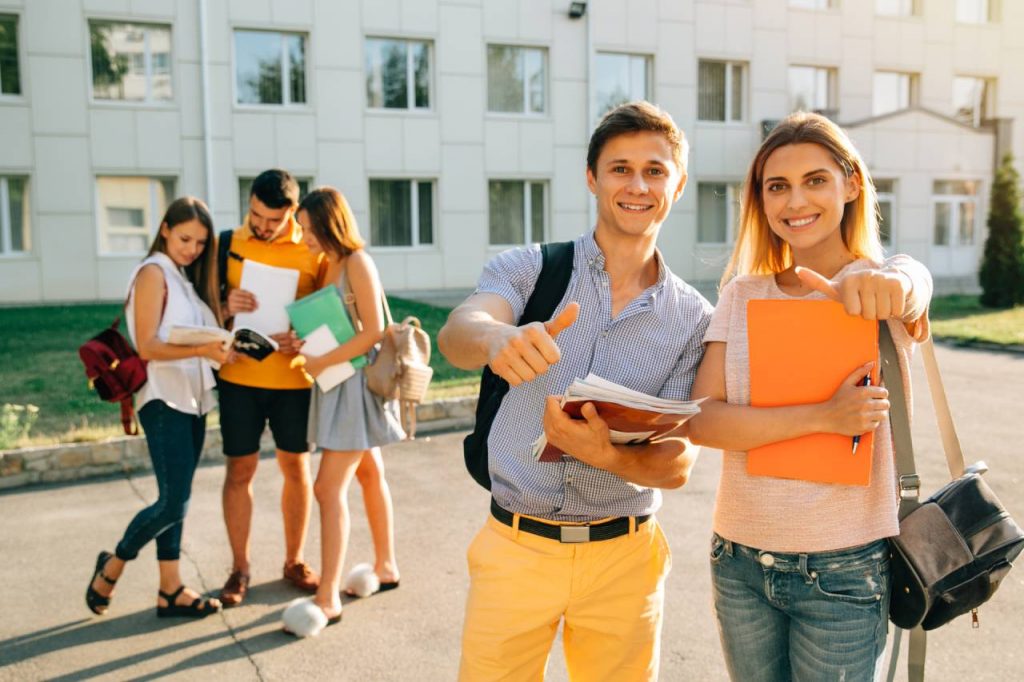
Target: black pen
856,439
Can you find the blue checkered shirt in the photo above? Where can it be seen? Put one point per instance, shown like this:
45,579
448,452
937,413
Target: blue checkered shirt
653,346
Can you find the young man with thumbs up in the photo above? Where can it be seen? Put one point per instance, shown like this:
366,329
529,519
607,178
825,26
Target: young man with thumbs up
577,539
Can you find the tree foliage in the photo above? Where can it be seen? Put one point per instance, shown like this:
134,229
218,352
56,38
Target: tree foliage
1002,266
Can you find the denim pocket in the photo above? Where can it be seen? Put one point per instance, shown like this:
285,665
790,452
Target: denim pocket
717,548
864,583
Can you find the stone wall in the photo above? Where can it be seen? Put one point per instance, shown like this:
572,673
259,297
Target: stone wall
128,454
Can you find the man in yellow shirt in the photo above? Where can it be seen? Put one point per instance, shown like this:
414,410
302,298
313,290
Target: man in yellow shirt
253,393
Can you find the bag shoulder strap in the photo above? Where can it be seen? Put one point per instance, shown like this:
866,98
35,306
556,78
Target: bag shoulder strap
223,249
552,282
349,299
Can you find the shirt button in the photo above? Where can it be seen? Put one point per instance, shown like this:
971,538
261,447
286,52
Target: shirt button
767,560
568,481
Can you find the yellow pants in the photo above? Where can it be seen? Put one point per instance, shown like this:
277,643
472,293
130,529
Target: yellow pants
610,593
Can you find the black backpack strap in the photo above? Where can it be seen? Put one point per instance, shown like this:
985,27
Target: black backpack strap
223,249
548,291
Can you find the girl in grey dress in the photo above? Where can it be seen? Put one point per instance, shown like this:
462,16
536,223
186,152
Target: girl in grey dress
348,422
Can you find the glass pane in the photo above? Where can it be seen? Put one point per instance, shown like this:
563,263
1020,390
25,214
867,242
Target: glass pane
160,62
258,67
244,190
386,74
303,184
967,222
638,78
507,222
537,212
535,78
969,99
712,213
942,221
426,199
18,205
504,79
972,11
612,86
118,61
119,216
390,213
10,78
810,4
711,91
963,187
891,92
894,8
736,94
297,68
421,66
884,186
885,222
808,88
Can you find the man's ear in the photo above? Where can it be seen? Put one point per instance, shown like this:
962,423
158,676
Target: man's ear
591,181
679,190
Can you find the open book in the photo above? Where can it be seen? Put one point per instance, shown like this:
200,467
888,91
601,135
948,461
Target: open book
633,417
243,340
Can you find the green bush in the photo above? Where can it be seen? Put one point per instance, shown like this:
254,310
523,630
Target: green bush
1002,266
15,423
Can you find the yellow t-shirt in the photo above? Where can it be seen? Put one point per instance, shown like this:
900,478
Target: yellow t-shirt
286,251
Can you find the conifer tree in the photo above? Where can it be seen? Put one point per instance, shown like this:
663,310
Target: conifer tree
1002,266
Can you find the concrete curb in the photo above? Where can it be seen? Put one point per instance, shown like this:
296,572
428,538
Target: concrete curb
128,454
953,342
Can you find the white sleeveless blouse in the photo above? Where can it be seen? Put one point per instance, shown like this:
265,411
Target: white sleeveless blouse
185,385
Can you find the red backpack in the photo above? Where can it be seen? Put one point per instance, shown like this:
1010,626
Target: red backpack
115,371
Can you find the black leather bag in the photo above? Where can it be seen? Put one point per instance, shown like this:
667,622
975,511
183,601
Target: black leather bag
953,549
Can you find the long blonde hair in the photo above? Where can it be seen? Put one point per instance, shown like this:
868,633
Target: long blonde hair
758,250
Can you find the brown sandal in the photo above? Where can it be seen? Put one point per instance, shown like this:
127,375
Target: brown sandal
235,589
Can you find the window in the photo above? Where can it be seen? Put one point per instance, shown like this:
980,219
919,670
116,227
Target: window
10,78
976,11
516,79
245,189
718,207
14,223
720,89
813,4
401,212
811,88
130,62
893,91
130,209
956,208
898,8
885,191
270,68
621,78
517,211
973,99
397,74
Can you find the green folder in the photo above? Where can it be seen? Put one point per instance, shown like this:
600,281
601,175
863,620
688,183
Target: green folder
319,308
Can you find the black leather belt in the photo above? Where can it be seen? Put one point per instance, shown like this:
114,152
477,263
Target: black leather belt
606,530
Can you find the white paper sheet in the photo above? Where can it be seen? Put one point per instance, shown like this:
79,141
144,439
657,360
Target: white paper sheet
319,342
274,288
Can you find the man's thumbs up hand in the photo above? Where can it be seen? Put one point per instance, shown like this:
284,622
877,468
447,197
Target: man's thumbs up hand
527,352
871,294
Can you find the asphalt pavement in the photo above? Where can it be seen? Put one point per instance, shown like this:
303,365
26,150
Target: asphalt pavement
49,538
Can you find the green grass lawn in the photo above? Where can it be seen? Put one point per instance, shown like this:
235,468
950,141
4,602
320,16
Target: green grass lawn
39,365
962,318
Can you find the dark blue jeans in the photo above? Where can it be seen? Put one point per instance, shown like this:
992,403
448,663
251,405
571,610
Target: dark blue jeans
804,617
175,441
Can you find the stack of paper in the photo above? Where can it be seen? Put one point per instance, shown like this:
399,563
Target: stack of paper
632,417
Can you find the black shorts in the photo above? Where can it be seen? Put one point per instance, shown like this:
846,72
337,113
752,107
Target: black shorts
245,410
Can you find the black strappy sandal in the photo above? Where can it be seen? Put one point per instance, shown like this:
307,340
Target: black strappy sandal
199,608
96,602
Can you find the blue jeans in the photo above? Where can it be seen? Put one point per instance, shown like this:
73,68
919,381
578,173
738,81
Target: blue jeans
817,616
175,441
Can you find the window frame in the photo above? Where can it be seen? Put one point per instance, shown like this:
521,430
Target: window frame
102,227
648,60
545,184
734,195
285,104
744,91
414,210
149,101
19,51
832,86
525,93
6,236
987,104
954,201
915,10
410,85
830,5
888,197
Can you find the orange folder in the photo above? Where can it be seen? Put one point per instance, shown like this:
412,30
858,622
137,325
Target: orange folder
800,352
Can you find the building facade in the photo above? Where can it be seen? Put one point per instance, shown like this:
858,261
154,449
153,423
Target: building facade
457,128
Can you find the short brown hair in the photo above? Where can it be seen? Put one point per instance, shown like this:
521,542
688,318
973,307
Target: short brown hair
635,117
332,221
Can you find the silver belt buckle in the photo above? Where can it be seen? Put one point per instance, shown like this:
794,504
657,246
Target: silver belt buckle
575,534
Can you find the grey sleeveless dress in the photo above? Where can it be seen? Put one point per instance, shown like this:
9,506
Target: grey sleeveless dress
350,417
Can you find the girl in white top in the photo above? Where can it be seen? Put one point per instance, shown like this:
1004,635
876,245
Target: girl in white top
174,285
800,569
